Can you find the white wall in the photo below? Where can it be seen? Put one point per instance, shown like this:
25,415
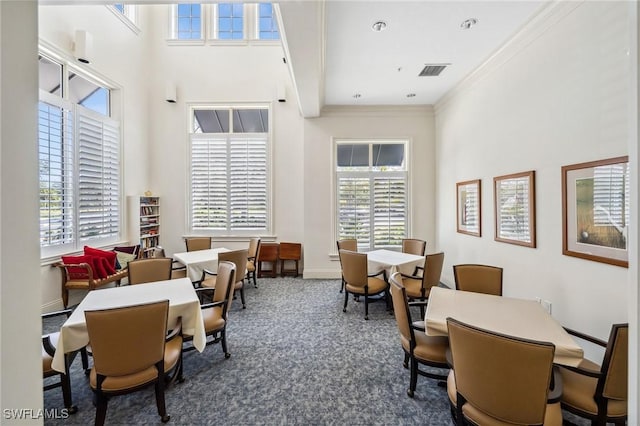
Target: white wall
412,123
20,325
557,96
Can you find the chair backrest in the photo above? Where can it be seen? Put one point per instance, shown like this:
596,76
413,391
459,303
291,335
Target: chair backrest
225,279
254,248
198,243
478,278
432,270
128,339
354,267
401,307
158,251
149,270
414,246
506,377
347,244
238,258
615,364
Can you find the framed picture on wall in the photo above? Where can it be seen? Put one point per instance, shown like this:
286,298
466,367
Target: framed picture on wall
468,208
595,213
515,209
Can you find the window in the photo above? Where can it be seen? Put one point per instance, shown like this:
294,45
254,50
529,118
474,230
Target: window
127,13
267,26
229,169
79,162
224,22
188,21
230,21
371,193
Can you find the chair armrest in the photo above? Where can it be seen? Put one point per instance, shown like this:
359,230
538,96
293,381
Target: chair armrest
65,272
213,304
382,271
419,303
177,330
555,392
414,276
583,371
586,337
48,347
66,312
177,266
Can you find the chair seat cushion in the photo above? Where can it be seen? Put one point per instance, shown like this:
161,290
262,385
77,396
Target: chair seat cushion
48,359
209,282
172,351
212,318
430,348
413,287
552,416
376,285
251,266
117,383
578,391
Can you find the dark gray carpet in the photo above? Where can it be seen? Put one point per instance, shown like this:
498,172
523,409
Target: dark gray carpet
296,359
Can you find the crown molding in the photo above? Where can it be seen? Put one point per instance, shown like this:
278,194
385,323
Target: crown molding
376,110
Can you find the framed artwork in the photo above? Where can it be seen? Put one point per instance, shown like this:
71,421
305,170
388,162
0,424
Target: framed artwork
595,213
468,208
515,209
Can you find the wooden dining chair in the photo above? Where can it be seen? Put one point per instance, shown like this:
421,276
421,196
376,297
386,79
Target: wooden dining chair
239,259
198,243
414,246
252,260
478,278
149,270
419,287
359,282
350,244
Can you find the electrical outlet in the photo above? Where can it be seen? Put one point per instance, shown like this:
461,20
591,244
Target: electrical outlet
546,305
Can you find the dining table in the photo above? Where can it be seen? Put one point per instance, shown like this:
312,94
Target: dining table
393,261
524,318
183,303
198,260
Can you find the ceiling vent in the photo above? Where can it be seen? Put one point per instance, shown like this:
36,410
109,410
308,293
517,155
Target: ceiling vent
432,70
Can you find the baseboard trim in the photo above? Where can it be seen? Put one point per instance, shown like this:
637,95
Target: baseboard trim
329,274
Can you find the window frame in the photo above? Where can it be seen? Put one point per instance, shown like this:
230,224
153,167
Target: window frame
335,176
231,233
129,17
50,253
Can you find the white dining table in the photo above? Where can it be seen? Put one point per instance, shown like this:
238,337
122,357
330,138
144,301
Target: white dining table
514,317
183,302
393,261
199,260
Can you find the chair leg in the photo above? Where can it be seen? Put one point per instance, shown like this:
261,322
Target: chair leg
65,296
65,382
223,338
101,408
366,306
346,300
342,285
253,275
162,408
414,377
244,306
405,364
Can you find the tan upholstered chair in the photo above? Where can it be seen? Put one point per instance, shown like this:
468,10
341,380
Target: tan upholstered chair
131,350
198,243
150,269
478,278
501,380
346,244
214,314
414,246
418,347
178,270
599,392
252,260
238,258
49,343
419,287
358,282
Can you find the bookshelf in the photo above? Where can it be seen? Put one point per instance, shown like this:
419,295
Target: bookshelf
144,221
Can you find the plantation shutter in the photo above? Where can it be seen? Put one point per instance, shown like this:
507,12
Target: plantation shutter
98,176
55,157
354,209
610,189
248,182
389,210
209,182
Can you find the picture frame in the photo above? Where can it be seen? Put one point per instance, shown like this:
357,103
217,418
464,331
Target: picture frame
515,208
595,214
468,208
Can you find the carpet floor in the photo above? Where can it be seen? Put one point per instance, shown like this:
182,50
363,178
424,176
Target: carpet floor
296,358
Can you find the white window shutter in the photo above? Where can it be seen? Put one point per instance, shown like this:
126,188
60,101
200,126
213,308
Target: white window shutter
209,183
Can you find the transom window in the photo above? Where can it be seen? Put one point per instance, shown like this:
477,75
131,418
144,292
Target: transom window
371,192
267,25
230,21
188,21
229,173
79,161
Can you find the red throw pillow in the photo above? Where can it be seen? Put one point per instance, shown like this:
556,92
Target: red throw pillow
98,266
77,272
110,267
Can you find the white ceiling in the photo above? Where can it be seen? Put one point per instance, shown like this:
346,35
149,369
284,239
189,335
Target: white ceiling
383,67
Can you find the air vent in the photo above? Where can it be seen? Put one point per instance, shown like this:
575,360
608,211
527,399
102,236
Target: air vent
432,70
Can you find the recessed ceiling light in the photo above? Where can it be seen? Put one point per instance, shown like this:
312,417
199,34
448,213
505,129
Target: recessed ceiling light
468,23
411,95
357,95
379,26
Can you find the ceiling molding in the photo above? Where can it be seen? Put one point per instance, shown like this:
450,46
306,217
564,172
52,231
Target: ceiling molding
548,16
377,110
